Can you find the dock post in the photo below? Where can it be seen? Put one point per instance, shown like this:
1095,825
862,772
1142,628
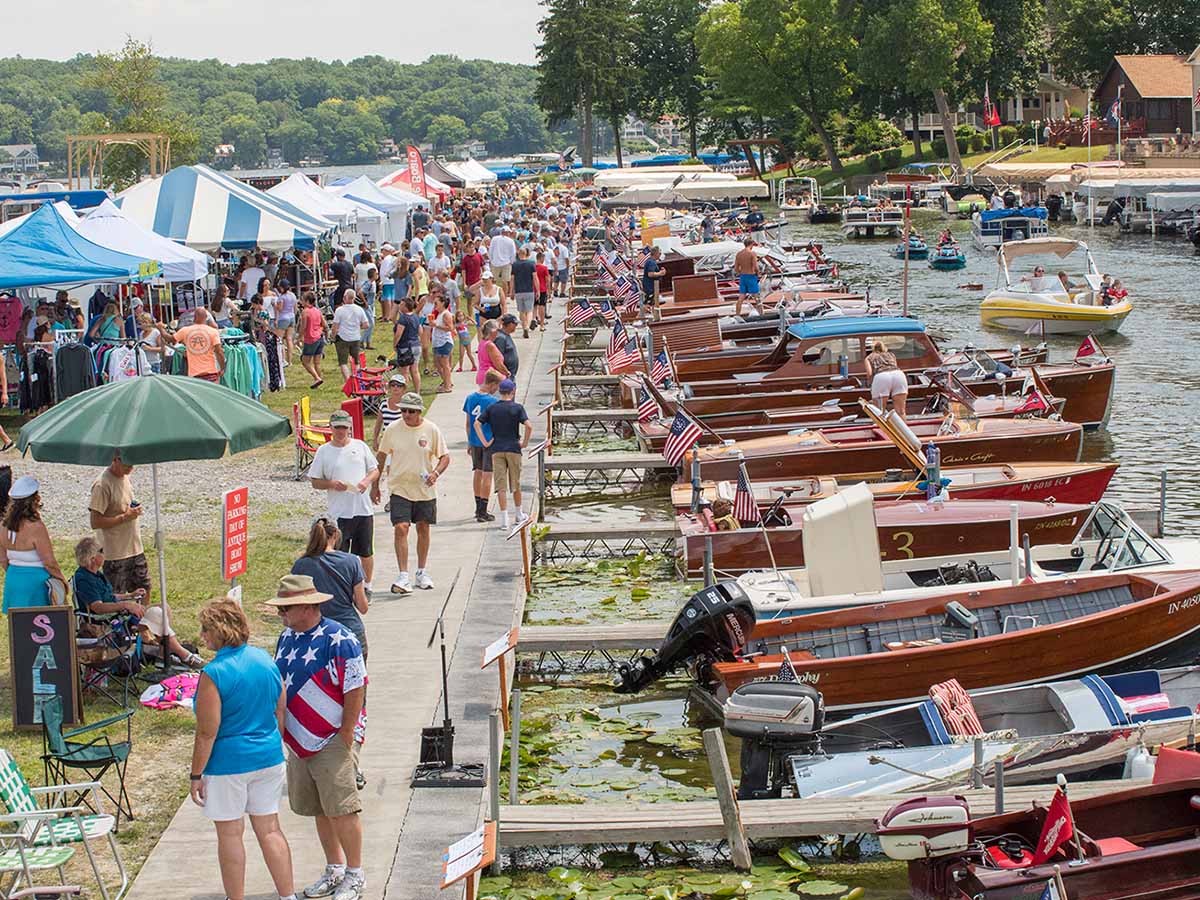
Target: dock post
514,747
999,777
735,834
1014,542
494,772
1162,503
541,484
977,768
697,494
708,561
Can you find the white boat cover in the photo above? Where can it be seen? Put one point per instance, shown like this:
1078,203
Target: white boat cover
1171,202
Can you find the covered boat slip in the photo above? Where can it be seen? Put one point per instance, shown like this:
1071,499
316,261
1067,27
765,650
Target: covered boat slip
868,658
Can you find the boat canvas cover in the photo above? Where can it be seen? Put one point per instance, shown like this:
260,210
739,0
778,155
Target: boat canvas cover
841,544
1036,246
1182,202
1141,187
1022,212
207,210
846,326
45,250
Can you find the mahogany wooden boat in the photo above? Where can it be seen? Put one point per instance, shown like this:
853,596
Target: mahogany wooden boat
865,448
1135,844
906,530
866,657
1061,482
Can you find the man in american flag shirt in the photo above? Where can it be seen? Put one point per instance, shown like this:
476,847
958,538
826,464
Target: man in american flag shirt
325,679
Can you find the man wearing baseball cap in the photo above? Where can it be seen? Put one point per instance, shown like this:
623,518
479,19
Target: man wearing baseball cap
414,453
505,418
389,410
346,469
325,682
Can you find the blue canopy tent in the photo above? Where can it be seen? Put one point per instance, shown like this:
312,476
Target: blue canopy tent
45,250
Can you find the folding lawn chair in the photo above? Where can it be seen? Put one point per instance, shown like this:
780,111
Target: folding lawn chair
95,758
362,387
43,832
309,437
19,860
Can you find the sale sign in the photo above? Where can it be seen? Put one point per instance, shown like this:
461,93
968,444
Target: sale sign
235,514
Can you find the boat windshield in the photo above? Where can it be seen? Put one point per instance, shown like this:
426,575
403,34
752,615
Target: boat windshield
1048,273
980,364
1121,542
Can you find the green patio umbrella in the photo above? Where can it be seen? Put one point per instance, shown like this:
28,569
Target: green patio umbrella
153,419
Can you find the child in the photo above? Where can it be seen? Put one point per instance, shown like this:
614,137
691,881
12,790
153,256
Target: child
542,283
464,341
372,288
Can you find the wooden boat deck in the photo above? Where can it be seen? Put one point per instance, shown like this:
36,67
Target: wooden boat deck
700,820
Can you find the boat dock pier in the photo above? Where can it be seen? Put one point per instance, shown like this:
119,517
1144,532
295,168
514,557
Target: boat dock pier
561,475
583,361
593,387
570,424
560,543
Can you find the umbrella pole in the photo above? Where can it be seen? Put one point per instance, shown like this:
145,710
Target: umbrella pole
160,546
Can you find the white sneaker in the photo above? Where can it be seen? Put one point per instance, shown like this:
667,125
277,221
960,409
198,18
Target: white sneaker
424,582
351,888
402,585
327,884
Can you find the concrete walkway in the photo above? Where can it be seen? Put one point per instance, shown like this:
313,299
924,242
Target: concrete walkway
405,831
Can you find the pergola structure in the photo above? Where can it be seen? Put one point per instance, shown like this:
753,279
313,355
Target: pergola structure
87,151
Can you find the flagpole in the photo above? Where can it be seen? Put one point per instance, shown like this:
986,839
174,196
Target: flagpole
1119,86
761,524
1091,211
907,237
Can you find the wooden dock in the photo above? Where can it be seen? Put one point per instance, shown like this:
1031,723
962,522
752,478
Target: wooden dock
565,473
585,638
588,387
700,820
571,542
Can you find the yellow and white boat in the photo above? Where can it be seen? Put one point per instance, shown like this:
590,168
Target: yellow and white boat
1052,303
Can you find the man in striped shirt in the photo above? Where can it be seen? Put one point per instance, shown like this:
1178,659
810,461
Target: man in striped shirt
325,680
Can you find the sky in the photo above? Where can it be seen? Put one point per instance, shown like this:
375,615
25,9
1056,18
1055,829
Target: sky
256,30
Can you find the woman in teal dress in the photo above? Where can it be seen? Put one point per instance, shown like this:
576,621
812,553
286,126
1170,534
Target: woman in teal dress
26,554
110,326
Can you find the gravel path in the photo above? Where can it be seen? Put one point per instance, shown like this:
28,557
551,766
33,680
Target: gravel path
190,492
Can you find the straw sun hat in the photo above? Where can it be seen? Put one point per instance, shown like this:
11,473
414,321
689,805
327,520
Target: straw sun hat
297,590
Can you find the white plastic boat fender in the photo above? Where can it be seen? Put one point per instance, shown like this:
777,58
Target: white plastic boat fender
1138,763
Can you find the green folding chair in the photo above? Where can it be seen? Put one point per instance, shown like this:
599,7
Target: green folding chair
18,862
94,758
56,826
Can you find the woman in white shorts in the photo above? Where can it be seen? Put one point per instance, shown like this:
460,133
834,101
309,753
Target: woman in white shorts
887,380
237,758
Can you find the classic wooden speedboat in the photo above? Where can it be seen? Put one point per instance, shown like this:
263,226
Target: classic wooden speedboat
864,658
1063,482
906,530
862,448
1079,727
824,358
1132,845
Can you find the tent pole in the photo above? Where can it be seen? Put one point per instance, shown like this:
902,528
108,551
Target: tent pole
160,546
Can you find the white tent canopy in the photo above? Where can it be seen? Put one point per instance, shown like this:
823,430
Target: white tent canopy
107,226
352,216
475,174
394,203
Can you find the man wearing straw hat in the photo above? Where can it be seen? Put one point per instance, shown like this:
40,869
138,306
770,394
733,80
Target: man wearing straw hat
325,679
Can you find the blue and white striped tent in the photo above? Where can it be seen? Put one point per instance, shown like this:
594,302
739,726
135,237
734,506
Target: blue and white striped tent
208,210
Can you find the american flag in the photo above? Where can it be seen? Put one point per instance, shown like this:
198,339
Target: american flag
598,256
620,266
642,255
745,507
787,671
623,356
661,369
683,435
625,288
1087,120
580,313
606,310
647,407
318,668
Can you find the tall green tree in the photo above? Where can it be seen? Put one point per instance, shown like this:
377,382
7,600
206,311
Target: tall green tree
781,55
446,131
672,77
1088,33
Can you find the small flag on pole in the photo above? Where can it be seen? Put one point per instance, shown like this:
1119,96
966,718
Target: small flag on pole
1089,347
787,672
626,357
661,370
625,287
647,407
1035,402
580,313
745,507
607,311
1114,113
682,437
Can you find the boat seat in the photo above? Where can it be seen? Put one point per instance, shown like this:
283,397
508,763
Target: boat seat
1175,712
1114,845
932,718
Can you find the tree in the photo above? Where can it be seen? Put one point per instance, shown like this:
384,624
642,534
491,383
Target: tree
249,141
1087,33
492,128
15,126
295,138
672,76
446,131
776,56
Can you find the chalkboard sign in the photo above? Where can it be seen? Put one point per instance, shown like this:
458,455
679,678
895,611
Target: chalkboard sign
41,650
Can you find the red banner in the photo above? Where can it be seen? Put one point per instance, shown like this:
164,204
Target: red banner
1057,830
235,515
416,171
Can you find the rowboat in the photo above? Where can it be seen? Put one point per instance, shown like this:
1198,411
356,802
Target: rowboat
1130,845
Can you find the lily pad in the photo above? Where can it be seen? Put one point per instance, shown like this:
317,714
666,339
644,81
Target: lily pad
630,882
771,895
562,873
794,860
822,888
704,878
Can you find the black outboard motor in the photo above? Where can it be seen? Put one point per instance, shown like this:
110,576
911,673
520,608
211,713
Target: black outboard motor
1054,207
1115,211
774,719
712,627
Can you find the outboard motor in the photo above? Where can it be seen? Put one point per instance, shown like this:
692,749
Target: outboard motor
712,627
774,719
1114,211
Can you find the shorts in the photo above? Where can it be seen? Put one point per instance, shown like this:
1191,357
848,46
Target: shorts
542,298
561,276
358,536
506,469
747,284
214,377
443,349
412,511
472,290
283,323
229,797
389,292
502,273
489,312
324,784
405,357
481,458
889,384
346,350
524,302
129,574
316,348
